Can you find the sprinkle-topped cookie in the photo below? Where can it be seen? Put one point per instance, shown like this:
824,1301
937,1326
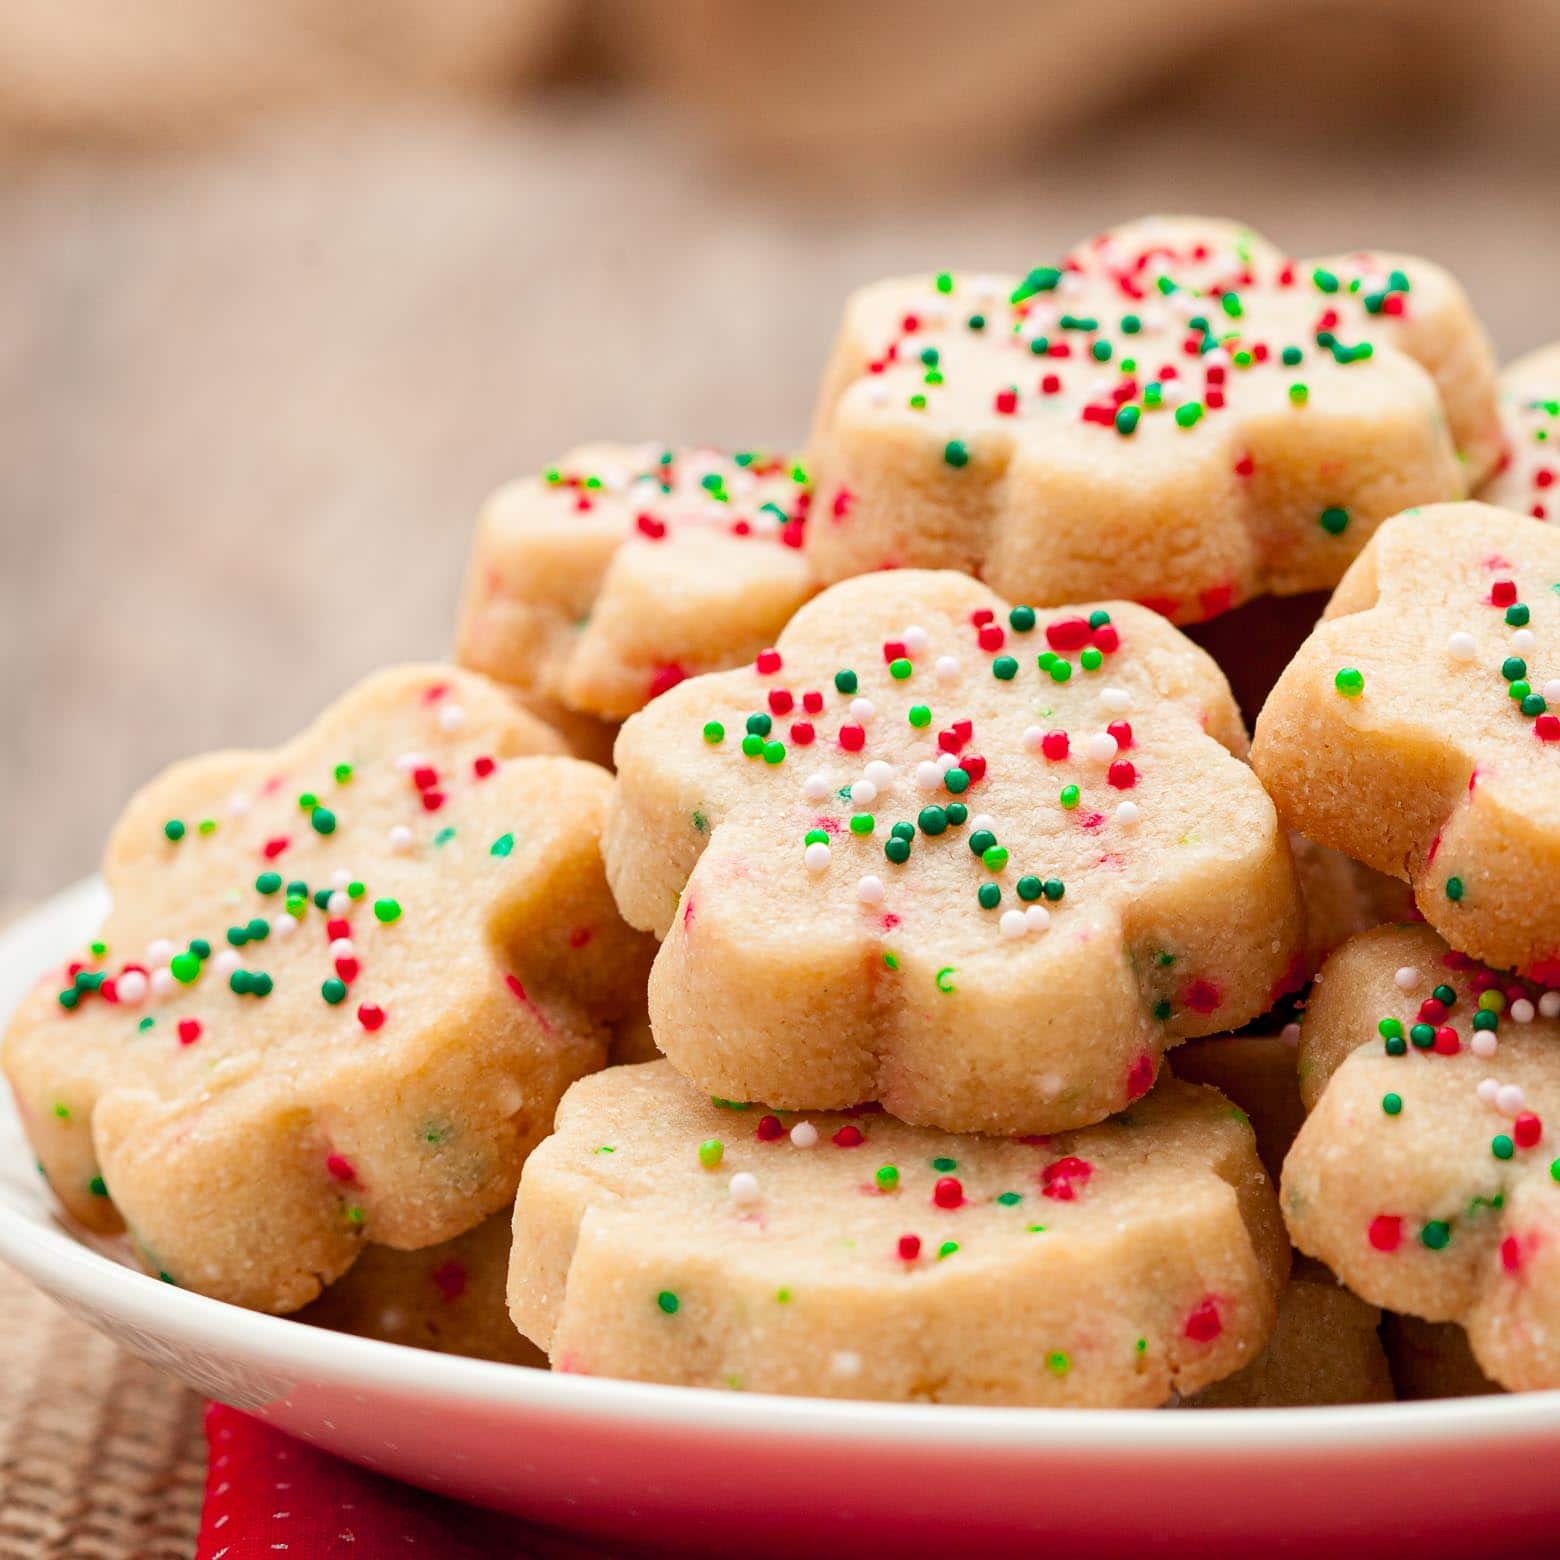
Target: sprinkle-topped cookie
665,1237
1418,729
979,862
1175,412
342,987
623,569
1426,1175
1530,412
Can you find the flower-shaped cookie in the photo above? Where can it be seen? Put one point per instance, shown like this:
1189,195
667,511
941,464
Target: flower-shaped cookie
1418,729
624,569
341,990
664,1237
449,1297
1426,1174
978,863
1530,411
1175,413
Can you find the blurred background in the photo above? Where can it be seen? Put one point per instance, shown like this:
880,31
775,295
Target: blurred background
287,285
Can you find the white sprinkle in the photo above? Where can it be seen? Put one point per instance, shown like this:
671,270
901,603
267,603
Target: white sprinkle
341,948
915,639
815,787
226,962
877,392
238,804
1128,813
928,775
863,793
1552,690
946,667
1549,1005
1487,1090
508,1098
1101,747
1290,1034
340,878
982,821
1509,1098
1406,978
1483,1043
870,889
1038,917
1116,700
283,925
862,709
947,761
845,1362
816,856
131,987
1033,737
407,762
880,773
1461,646
1013,923
339,903
743,1187
1522,1011
1524,640
163,983
804,1135
451,717
159,950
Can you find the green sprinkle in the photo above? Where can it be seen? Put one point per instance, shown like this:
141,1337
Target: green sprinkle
1091,659
711,1152
845,681
1517,614
1436,1233
1004,668
752,745
185,967
502,846
920,716
1069,797
1392,1104
1423,1036
1454,889
714,732
1022,619
174,829
1334,521
268,882
957,780
816,837
343,774
957,812
1060,670
98,1186
862,823
1290,356
1349,682
1299,394
1513,667
994,858
759,724
1010,1199
900,668
932,820
1188,414
334,991
947,1249
956,453
774,752
668,1302
387,910
989,895
887,1178
896,849
1056,1362
1501,1146
1127,420
1029,889
1053,889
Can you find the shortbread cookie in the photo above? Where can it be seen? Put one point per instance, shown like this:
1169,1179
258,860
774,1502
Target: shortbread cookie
665,1237
979,864
1175,412
1432,1359
1530,413
1257,1072
448,1298
1425,1175
1325,1349
623,569
340,993
1418,730
1342,898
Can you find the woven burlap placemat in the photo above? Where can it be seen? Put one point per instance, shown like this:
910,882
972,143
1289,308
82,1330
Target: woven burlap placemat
101,1456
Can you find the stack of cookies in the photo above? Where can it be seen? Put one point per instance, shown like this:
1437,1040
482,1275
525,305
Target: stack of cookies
944,1001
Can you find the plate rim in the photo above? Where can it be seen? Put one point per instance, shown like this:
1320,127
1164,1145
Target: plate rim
64,1267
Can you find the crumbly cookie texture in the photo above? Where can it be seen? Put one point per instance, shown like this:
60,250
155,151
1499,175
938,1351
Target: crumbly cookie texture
1425,1175
665,1237
623,569
1530,415
1175,413
1418,729
977,863
449,1298
1325,1349
342,988
1432,1359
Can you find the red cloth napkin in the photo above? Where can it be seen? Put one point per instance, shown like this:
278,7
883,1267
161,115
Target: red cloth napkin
270,1496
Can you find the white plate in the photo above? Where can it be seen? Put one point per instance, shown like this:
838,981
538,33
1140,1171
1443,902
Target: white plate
721,1471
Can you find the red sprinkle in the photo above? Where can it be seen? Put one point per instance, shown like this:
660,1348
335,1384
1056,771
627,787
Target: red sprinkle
1063,1178
768,662
1122,774
451,1279
948,1193
1068,633
1121,730
1526,1130
849,1137
909,1247
189,1031
341,1169
1386,1232
1054,744
1203,1324
769,1129
853,738
371,1016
